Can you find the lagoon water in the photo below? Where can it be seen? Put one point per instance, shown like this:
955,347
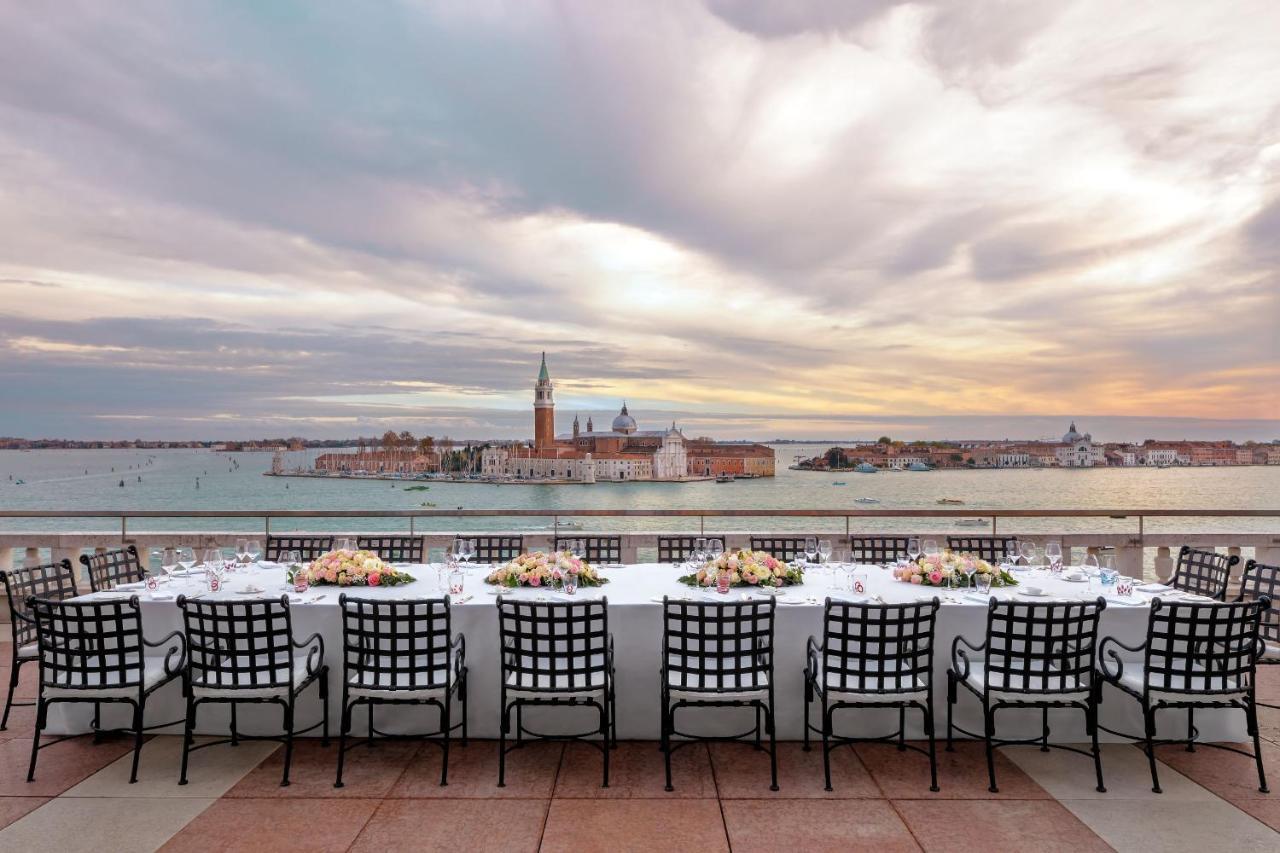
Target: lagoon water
57,479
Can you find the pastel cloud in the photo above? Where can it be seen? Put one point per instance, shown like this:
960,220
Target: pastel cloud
763,214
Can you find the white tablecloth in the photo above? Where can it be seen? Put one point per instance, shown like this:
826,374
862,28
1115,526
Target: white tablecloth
634,593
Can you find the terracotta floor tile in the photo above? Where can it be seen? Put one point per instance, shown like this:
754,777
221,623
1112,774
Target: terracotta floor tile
12,808
22,719
473,772
275,824
609,826
1232,777
743,773
368,772
502,826
28,681
1269,723
815,825
59,767
1009,825
961,774
635,770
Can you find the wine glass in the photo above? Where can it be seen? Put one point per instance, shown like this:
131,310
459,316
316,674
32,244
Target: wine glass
186,558
913,548
169,561
811,549
1090,564
1053,553
824,551
1012,553
715,549
699,549
931,547
292,561
1028,550
253,550
242,546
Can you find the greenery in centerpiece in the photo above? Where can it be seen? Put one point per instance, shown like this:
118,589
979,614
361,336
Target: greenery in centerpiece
746,568
940,569
539,569
345,567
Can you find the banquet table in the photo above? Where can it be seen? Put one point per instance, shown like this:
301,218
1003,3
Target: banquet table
634,594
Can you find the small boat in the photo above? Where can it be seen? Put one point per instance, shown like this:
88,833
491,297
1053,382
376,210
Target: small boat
971,522
565,524
724,478
417,488
20,482
950,501
839,483
866,468
866,501
918,466
428,504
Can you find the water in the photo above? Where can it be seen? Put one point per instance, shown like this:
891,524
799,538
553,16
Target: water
56,479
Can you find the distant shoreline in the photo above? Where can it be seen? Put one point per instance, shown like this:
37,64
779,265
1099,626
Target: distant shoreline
426,481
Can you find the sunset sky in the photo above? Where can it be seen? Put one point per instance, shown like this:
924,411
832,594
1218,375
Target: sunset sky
808,218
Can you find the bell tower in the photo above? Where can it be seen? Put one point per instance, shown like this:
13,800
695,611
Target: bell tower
544,409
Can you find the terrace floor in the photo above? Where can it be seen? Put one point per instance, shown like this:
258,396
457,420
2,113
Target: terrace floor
81,799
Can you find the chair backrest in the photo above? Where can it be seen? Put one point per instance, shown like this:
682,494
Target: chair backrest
1261,580
878,648
88,644
308,547
393,549
878,550
1042,648
47,580
238,644
395,645
497,549
673,549
1202,647
599,549
990,548
554,646
718,647
106,571
785,548
1203,572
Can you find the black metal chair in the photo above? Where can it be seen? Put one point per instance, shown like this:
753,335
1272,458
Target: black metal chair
599,549
877,550
555,654
244,651
673,549
1203,572
785,548
990,548
1258,581
393,549
308,547
49,580
1196,655
401,653
94,652
1036,656
497,549
109,570
718,655
872,656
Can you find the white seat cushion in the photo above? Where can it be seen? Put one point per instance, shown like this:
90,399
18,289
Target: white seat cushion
1134,678
1071,689
92,684
295,674
386,685
1271,652
905,689
708,687
555,685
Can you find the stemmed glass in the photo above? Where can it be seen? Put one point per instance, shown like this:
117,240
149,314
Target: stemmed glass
913,548
169,561
213,568
931,547
242,546
252,551
1090,564
1028,550
186,558
824,551
811,549
292,562
343,543
700,549
1012,554
715,549
1053,553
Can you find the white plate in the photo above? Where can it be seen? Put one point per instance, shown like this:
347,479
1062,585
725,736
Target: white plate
1125,602
163,596
1084,579
252,590
1029,594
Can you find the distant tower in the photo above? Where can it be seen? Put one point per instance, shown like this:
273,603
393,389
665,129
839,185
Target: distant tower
544,409
575,426
590,428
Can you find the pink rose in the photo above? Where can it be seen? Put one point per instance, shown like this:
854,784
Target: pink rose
916,579
534,580
935,577
374,579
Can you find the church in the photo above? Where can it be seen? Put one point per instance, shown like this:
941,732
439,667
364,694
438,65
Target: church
624,452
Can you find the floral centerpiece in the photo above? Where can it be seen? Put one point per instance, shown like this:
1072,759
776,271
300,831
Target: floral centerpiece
345,567
939,569
539,569
746,568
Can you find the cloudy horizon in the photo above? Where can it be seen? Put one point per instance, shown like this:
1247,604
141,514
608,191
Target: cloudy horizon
815,219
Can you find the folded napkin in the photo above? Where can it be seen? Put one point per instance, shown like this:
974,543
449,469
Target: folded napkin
134,585
1153,587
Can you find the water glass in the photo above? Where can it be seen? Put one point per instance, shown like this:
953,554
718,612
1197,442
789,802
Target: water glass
858,583
1124,587
151,581
456,581
700,549
984,583
301,581
570,583
1108,578
1028,551
723,579
811,549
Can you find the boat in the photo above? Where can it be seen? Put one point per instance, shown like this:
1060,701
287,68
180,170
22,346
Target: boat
866,468
724,478
417,488
950,501
565,524
839,483
971,522
866,501
20,482
918,466
428,504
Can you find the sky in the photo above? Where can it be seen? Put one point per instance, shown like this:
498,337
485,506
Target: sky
824,218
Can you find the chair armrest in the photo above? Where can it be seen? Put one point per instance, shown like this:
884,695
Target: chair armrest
1104,653
959,658
315,654
812,655
458,648
180,650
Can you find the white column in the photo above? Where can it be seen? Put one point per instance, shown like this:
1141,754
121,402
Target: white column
1164,564
1238,569
1129,560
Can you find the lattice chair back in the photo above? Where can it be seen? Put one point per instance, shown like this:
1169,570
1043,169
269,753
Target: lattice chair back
396,645
308,547
1035,648
785,548
239,645
599,549
47,580
673,549
1261,580
109,570
878,550
393,549
1202,648
878,648
89,645
990,548
1203,572
497,549
718,648
560,647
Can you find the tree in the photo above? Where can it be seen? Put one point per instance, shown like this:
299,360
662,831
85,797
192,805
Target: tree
884,439
407,439
426,444
836,458
390,440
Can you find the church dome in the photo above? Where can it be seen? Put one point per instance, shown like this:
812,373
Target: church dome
624,423
1072,435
